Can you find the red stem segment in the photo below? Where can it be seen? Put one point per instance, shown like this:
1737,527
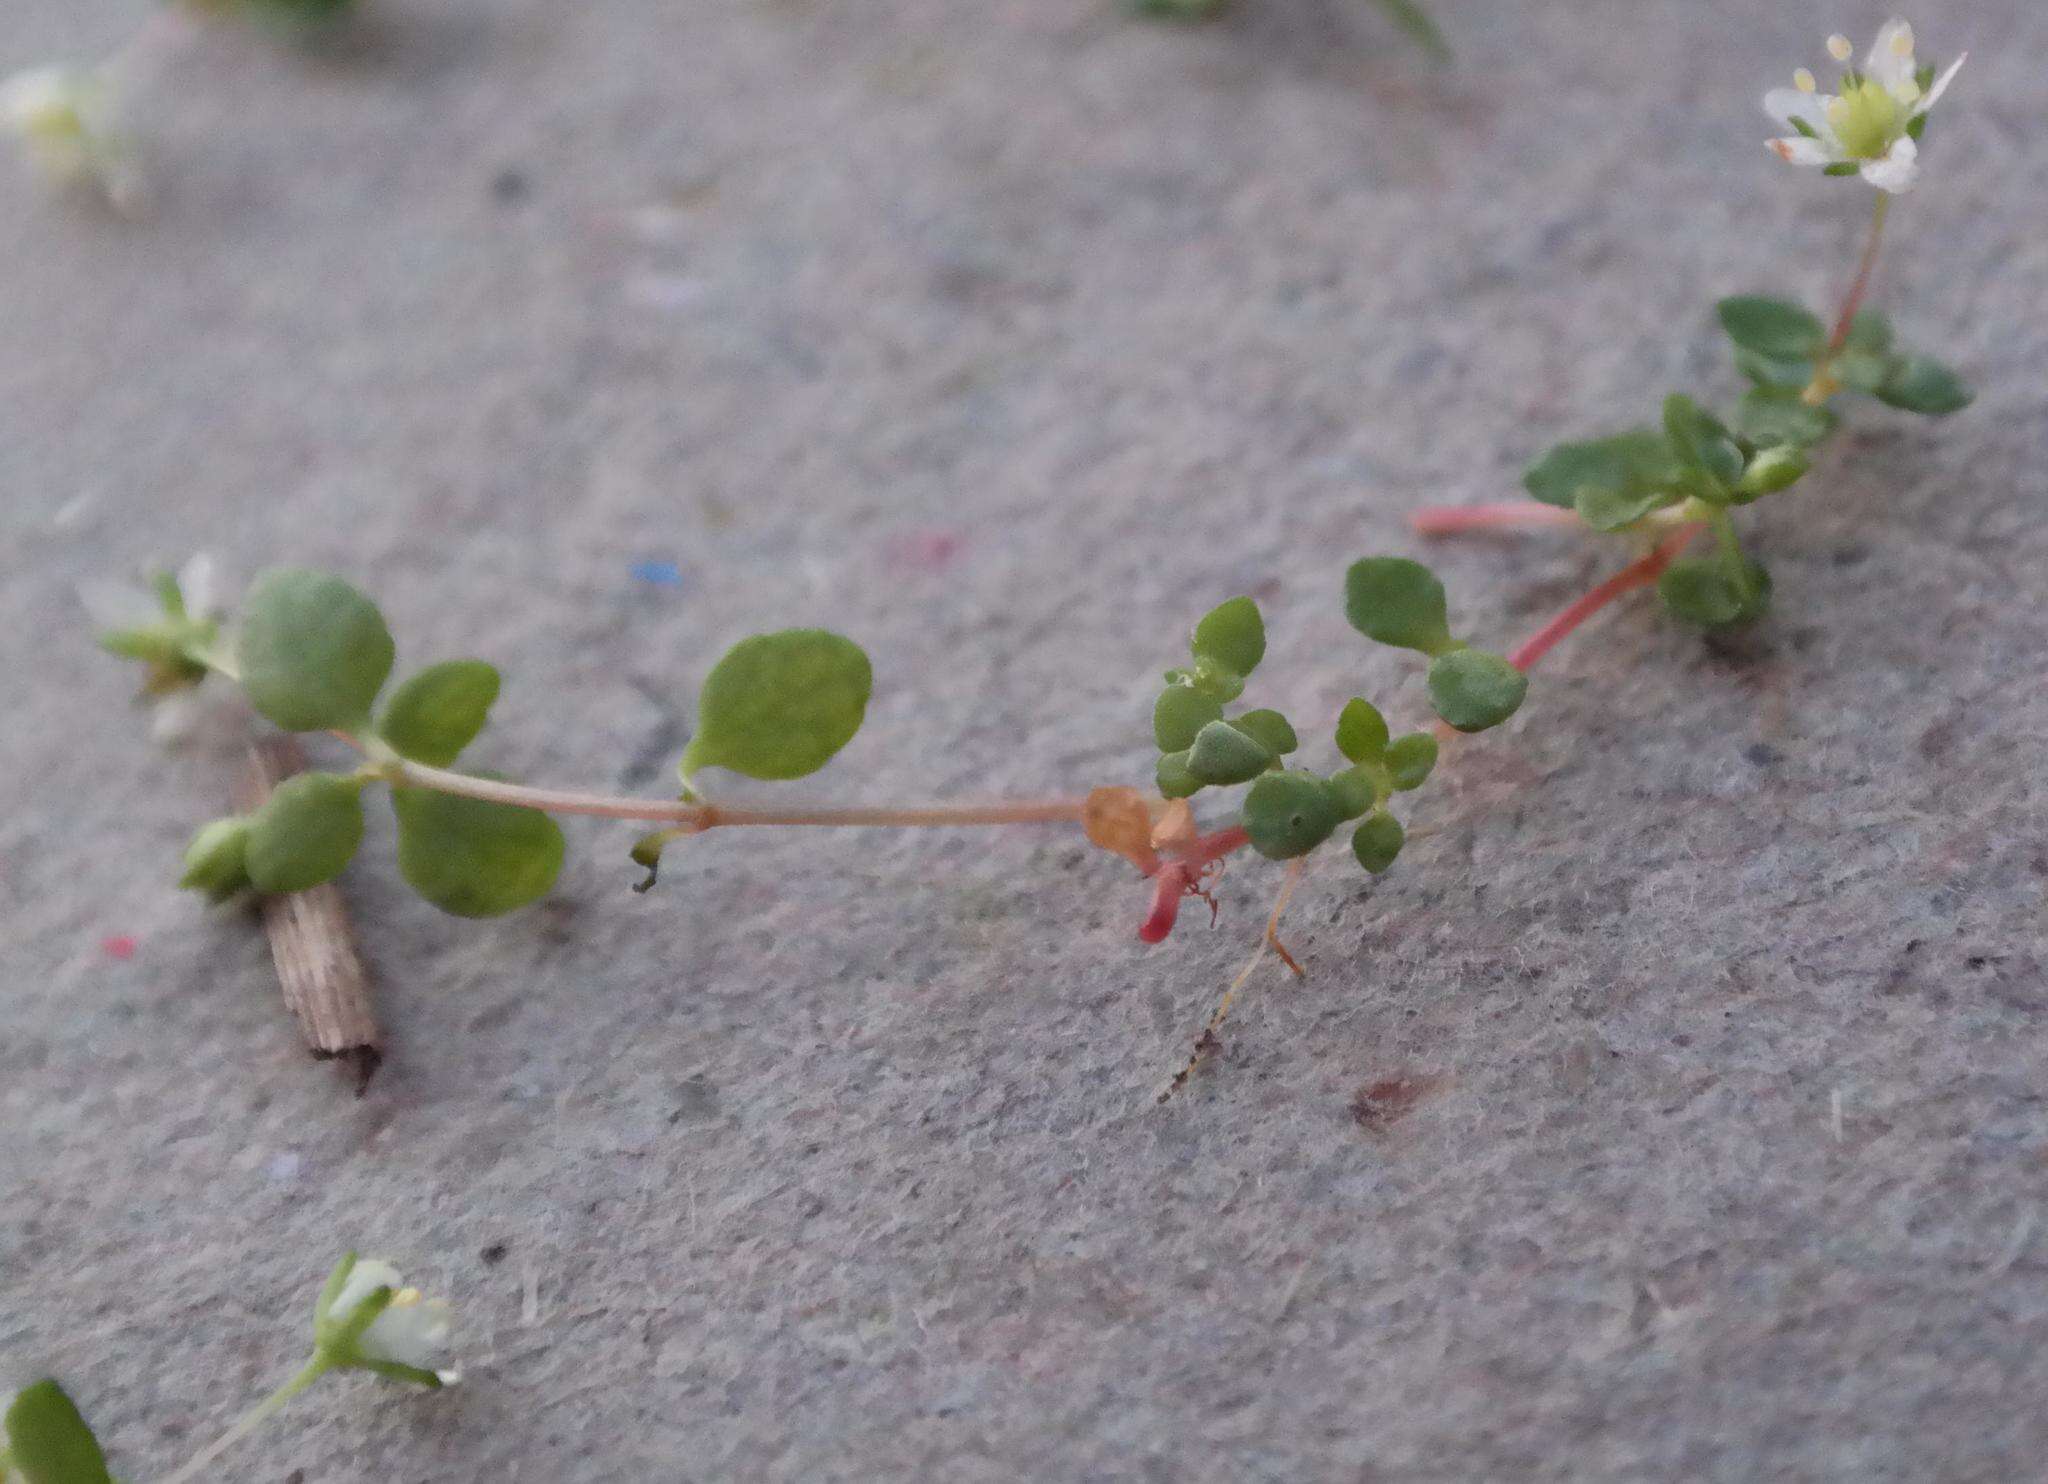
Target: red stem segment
1181,877
1504,515
1636,574
1846,320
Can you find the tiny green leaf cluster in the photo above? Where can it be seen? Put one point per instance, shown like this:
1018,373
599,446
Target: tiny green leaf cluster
1289,811
1696,467
1400,602
1783,350
314,654
1409,15
362,1321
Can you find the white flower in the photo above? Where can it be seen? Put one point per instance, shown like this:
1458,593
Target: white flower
116,607
1872,127
44,100
199,586
411,1331
64,118
173,628
122,605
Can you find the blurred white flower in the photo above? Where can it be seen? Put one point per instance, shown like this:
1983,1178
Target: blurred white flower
64,118
193,592
1872,126
115,607
410,1333
173,627
199,586
177,718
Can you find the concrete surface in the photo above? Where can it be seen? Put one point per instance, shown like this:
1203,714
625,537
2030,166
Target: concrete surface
1008,337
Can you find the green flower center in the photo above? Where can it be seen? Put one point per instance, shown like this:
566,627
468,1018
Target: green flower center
1867,119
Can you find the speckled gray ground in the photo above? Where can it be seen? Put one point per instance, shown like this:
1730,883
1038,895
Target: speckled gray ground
836,1158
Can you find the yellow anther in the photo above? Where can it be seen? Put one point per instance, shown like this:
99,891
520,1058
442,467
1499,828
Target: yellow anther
1902,44
1803,80
1839,47
405,1298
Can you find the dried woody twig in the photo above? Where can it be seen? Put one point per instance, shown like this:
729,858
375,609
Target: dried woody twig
324,982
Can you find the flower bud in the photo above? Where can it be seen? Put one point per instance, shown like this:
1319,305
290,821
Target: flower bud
217,860
1772,470
367,1319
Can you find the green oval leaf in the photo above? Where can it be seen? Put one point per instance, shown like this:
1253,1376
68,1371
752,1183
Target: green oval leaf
1290,814
1269,729
1232,635
314,651
1776,328
1377,841
1223,755
1627,463
1474,690
1180,712
1354,790
1870,331
1410,760
305,832
1173,778
471,858
1361,730
1863,370
1924,385
438,712
1768,418
1786,375
48,1441
1701,443
1399,602
1701,590
1611,509
778,706
217,860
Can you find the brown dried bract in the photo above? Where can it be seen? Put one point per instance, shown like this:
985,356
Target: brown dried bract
1173,824
1119,820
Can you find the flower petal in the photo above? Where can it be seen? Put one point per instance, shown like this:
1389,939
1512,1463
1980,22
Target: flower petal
1890,61
1941,84
364,1279
199,585
1799,150
413,1331
38,98
115,606
1897,171
1811,109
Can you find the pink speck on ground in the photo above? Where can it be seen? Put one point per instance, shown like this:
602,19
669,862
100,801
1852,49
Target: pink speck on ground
120,946
928,549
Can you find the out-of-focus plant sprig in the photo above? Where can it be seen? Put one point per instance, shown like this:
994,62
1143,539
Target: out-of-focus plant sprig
1691,472
70,121
313,654
366,1319
1413,19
